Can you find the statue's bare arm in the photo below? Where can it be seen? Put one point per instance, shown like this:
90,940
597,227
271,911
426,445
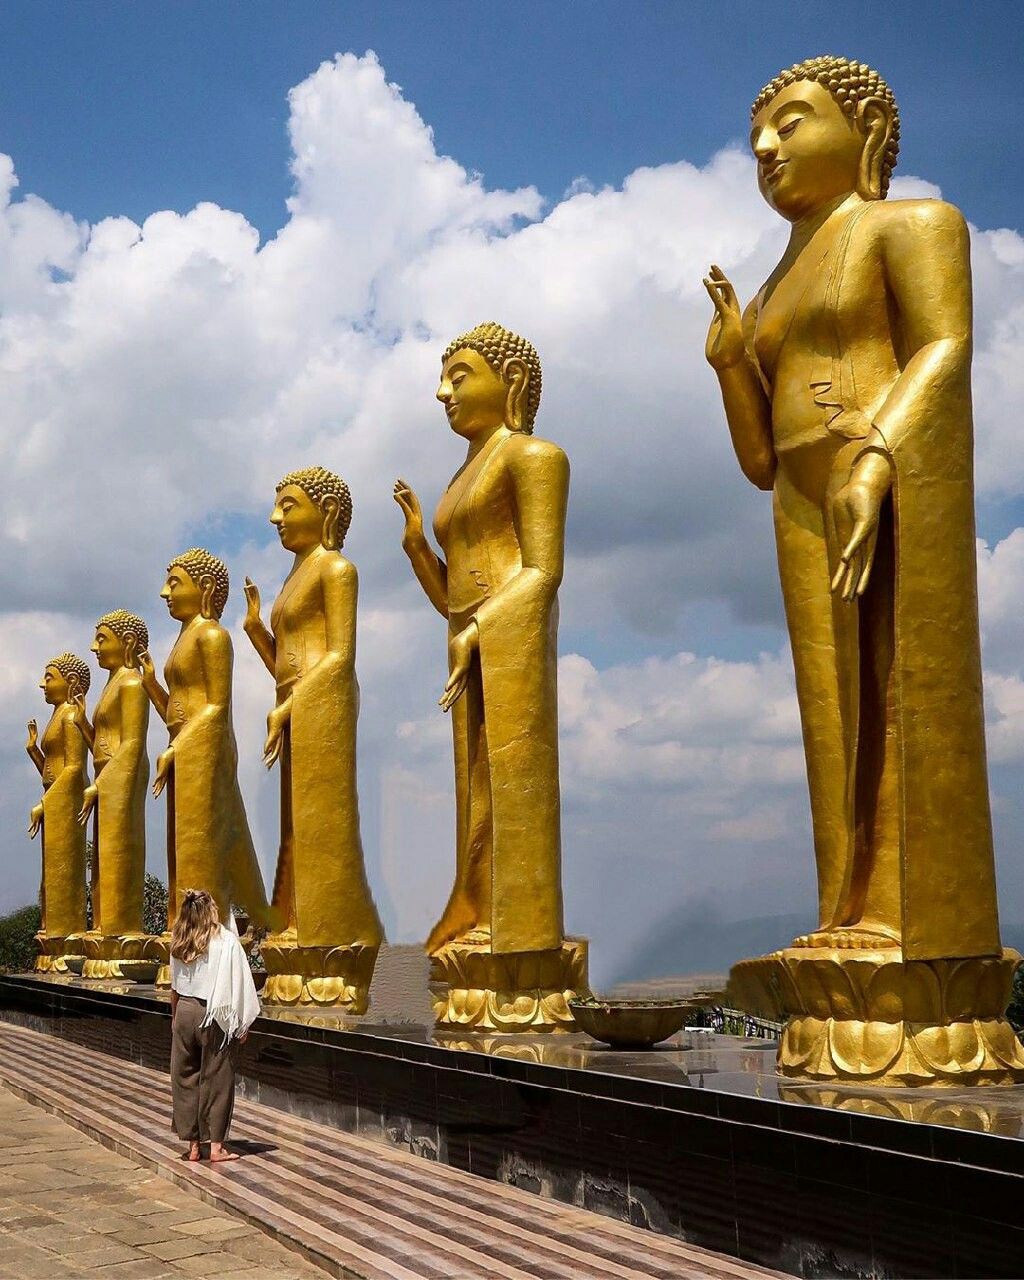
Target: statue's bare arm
339,584
429,568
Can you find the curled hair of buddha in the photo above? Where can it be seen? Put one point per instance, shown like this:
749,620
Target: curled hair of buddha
195,924
73,669
199,563
850,83
319,484
124,624
497,344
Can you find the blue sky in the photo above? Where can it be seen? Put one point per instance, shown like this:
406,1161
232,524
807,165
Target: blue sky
119,107
185,360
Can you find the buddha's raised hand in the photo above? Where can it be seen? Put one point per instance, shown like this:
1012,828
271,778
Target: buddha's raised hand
78,710
145,663
724,346
33,735
252,605
412,510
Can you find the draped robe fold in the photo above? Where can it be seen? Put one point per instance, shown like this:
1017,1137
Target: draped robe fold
505,726
64,782
890,687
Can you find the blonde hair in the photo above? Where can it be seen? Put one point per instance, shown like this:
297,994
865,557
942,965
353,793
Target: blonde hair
196,923
497,344
849,83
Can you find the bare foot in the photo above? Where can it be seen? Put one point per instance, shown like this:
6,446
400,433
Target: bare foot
193,1151
848,939
219,1153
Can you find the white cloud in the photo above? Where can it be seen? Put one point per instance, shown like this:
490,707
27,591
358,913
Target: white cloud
158,379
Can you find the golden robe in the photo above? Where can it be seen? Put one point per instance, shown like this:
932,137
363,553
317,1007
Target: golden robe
64,782
209,845
120,722
501,526
889,687
321,887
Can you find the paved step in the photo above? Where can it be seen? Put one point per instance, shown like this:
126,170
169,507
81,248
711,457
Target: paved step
351,1206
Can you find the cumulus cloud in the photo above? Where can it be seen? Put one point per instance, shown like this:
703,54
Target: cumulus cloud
159,378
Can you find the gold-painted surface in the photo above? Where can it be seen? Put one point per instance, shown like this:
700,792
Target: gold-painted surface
108,956
321,894
885,1020
501,528
60,757
846,385
942,1107
116,800
472,987
317,975
57,953
209,845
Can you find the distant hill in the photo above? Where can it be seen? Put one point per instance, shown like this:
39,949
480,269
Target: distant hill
698,941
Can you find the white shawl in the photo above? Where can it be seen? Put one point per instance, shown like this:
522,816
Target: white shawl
232,1003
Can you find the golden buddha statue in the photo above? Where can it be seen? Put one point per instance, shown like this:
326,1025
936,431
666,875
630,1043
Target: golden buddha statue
208,841
116,800
846,385
60,758
499,947
327,950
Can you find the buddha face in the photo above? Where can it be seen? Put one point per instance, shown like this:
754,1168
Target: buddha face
55,687
473,395
808,150
108,648
183,595
298,520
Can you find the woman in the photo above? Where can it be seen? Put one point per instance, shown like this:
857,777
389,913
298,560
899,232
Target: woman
213,1004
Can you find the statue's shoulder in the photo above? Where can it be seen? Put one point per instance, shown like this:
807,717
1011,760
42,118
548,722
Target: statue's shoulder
212,637
336,567
930,217
523,450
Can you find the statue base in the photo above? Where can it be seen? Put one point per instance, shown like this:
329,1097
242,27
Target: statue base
55,950
338,976
872,1016
105,953
472,988
158,948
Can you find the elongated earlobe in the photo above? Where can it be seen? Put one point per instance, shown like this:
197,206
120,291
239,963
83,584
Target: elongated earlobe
329,536
207,586
517,375
875,121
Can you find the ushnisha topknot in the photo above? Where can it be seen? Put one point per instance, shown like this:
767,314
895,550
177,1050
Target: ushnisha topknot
124,624
849,83
318,483
497,344
197,562
72,668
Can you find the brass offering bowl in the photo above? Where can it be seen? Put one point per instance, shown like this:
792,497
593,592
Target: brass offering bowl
629,1024
75,964
139,970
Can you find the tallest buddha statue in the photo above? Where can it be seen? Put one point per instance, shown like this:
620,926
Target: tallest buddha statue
846,385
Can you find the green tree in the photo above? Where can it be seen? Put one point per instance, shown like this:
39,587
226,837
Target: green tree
154,904
17,939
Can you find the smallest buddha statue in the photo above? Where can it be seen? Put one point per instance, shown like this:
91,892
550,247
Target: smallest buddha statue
116,800
327,950
60,756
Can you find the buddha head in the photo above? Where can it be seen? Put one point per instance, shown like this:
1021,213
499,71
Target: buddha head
120,637
490,377
313,507
822,130
197,584
66,677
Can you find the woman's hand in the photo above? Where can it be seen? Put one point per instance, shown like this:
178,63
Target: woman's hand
33,735
725,346
856,508
35,821
276,722
253,621
88,803
461,648
413,513
164,764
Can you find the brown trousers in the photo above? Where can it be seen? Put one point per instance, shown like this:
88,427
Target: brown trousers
202,1075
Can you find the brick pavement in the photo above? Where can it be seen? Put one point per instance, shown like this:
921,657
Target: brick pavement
70,1209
